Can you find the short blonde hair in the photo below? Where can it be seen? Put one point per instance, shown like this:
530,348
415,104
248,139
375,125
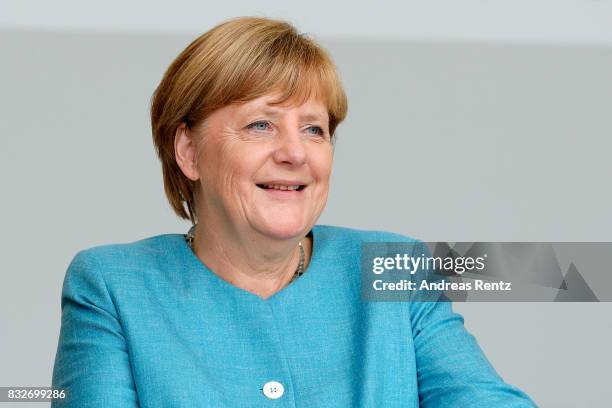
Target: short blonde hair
237,61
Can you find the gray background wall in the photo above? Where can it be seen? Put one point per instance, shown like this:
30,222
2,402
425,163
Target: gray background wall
452,135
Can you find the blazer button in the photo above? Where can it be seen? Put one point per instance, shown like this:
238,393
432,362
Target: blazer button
273,389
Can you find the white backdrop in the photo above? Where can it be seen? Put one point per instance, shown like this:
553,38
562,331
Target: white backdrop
470,121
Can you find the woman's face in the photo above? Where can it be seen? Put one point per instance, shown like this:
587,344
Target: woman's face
265,167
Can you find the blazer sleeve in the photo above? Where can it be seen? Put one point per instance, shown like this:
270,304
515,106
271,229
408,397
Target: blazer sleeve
92,360
452,370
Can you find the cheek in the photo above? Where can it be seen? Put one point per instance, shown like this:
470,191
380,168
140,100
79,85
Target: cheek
321,164
217,157
238,164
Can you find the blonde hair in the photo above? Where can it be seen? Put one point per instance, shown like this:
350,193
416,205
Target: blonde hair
237,61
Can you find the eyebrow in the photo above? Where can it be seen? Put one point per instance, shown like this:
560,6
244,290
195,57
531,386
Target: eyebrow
312,116
275,113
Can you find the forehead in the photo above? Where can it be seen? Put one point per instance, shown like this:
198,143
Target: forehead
311,107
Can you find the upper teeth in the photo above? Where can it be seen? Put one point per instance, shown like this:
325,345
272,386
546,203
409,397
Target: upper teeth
281,187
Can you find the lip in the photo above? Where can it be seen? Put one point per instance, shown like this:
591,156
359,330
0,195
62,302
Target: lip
285,182
283,194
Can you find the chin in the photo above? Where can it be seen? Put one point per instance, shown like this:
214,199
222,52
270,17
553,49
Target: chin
283,228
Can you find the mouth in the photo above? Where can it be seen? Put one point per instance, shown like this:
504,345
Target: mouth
282,187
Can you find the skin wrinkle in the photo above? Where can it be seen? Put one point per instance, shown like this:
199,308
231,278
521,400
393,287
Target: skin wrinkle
246,237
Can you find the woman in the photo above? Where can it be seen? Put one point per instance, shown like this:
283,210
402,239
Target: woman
256,305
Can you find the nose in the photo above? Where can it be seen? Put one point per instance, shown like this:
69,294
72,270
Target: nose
290,148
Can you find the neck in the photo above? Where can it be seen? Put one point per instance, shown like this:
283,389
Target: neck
249,260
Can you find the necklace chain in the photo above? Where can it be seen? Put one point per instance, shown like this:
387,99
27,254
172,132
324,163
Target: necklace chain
299,271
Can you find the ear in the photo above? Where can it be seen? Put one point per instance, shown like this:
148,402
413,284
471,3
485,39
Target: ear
185,152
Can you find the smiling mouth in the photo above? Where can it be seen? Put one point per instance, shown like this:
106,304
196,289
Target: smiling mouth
281,187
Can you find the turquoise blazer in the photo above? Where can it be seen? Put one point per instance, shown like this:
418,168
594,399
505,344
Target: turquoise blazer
148,324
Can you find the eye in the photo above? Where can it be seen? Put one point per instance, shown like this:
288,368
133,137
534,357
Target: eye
315,130
260,125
